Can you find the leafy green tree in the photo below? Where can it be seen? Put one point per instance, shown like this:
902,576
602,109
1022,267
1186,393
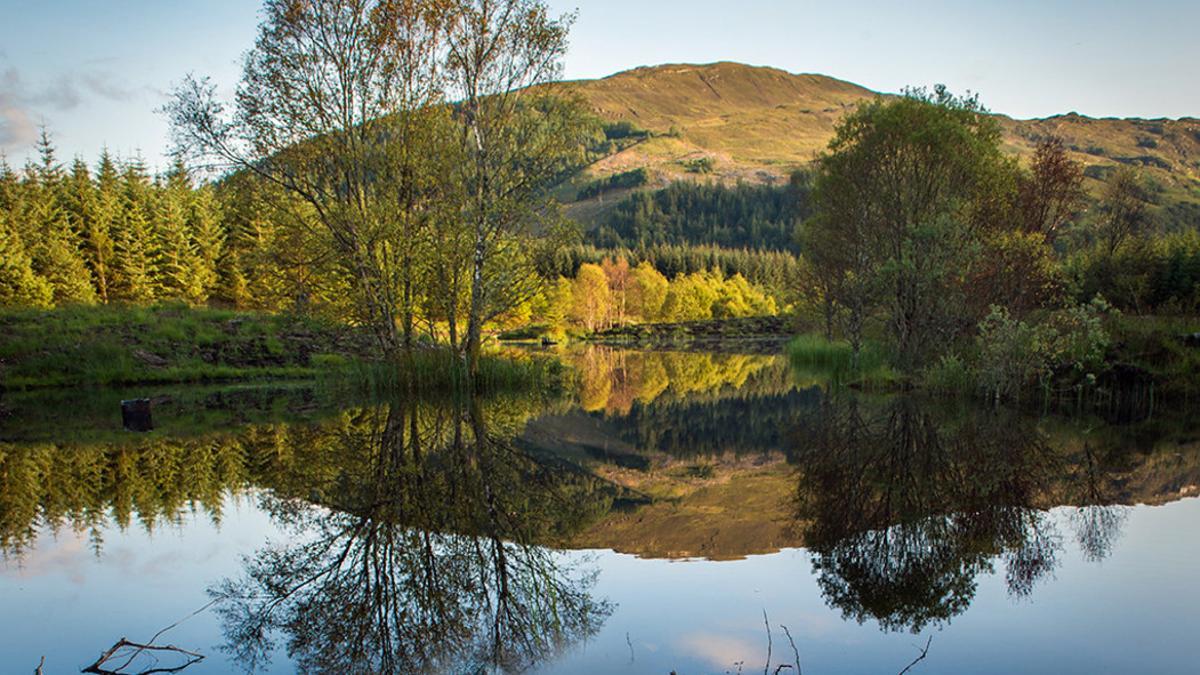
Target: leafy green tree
330,111
648,292
517,142
1123,210
591,297
900,195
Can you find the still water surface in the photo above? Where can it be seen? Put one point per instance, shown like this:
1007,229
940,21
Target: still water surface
670,513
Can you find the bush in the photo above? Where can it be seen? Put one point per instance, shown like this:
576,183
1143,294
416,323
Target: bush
620,130
1014,355
950,375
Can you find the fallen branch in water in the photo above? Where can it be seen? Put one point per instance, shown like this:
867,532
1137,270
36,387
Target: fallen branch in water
924,653
100,667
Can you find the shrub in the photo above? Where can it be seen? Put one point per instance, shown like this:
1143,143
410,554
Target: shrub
950,375
620,130
1014,355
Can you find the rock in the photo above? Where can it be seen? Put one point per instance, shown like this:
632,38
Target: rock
152,360
135,415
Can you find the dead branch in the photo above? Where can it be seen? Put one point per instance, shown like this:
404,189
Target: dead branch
795,651
768,625
924,653
38,670
100,667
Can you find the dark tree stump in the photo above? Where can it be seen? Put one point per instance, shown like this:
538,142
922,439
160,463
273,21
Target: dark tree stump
135,415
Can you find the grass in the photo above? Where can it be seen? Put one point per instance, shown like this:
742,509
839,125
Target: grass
834,361
164,343
121,346
443,369
762,122
1154,343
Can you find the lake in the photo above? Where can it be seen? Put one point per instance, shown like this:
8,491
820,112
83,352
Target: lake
685,512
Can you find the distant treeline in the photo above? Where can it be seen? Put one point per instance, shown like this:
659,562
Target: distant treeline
761,217
617,181
776,271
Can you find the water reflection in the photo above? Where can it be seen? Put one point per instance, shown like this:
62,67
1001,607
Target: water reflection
903,504
435,534
424,557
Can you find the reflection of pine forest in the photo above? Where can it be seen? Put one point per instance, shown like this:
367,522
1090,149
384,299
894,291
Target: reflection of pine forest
424,530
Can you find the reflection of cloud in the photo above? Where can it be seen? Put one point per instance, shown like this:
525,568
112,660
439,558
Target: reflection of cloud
63,554
721,650
21,103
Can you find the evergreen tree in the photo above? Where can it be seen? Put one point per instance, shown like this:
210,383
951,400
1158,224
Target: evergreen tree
106,218
132,262
55,250
172,255
208,240
19,285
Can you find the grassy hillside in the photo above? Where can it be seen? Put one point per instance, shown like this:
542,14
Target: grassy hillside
756,124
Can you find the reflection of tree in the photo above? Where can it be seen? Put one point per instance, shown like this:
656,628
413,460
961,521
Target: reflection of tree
423,558
612,380
903,507
1097,521
153,480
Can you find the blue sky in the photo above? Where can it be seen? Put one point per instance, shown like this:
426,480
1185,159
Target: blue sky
96,72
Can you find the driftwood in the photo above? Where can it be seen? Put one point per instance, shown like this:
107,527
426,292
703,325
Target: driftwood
102,666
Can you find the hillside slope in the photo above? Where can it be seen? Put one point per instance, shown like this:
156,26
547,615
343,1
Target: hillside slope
757,124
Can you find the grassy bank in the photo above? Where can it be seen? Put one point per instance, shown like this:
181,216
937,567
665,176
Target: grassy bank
122,346
1145,357
833,361
137,345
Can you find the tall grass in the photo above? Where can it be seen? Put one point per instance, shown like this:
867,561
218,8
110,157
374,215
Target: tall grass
443,369
834,362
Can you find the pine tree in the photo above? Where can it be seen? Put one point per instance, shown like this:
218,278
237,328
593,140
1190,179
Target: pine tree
133,238
19,285
208,240
98,239
173,259
56,248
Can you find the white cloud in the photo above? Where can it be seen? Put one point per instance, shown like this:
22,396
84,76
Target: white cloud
24,106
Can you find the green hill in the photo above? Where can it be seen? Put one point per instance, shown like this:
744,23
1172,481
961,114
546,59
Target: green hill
730,122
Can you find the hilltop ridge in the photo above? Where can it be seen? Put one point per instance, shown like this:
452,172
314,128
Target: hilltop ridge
757,124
